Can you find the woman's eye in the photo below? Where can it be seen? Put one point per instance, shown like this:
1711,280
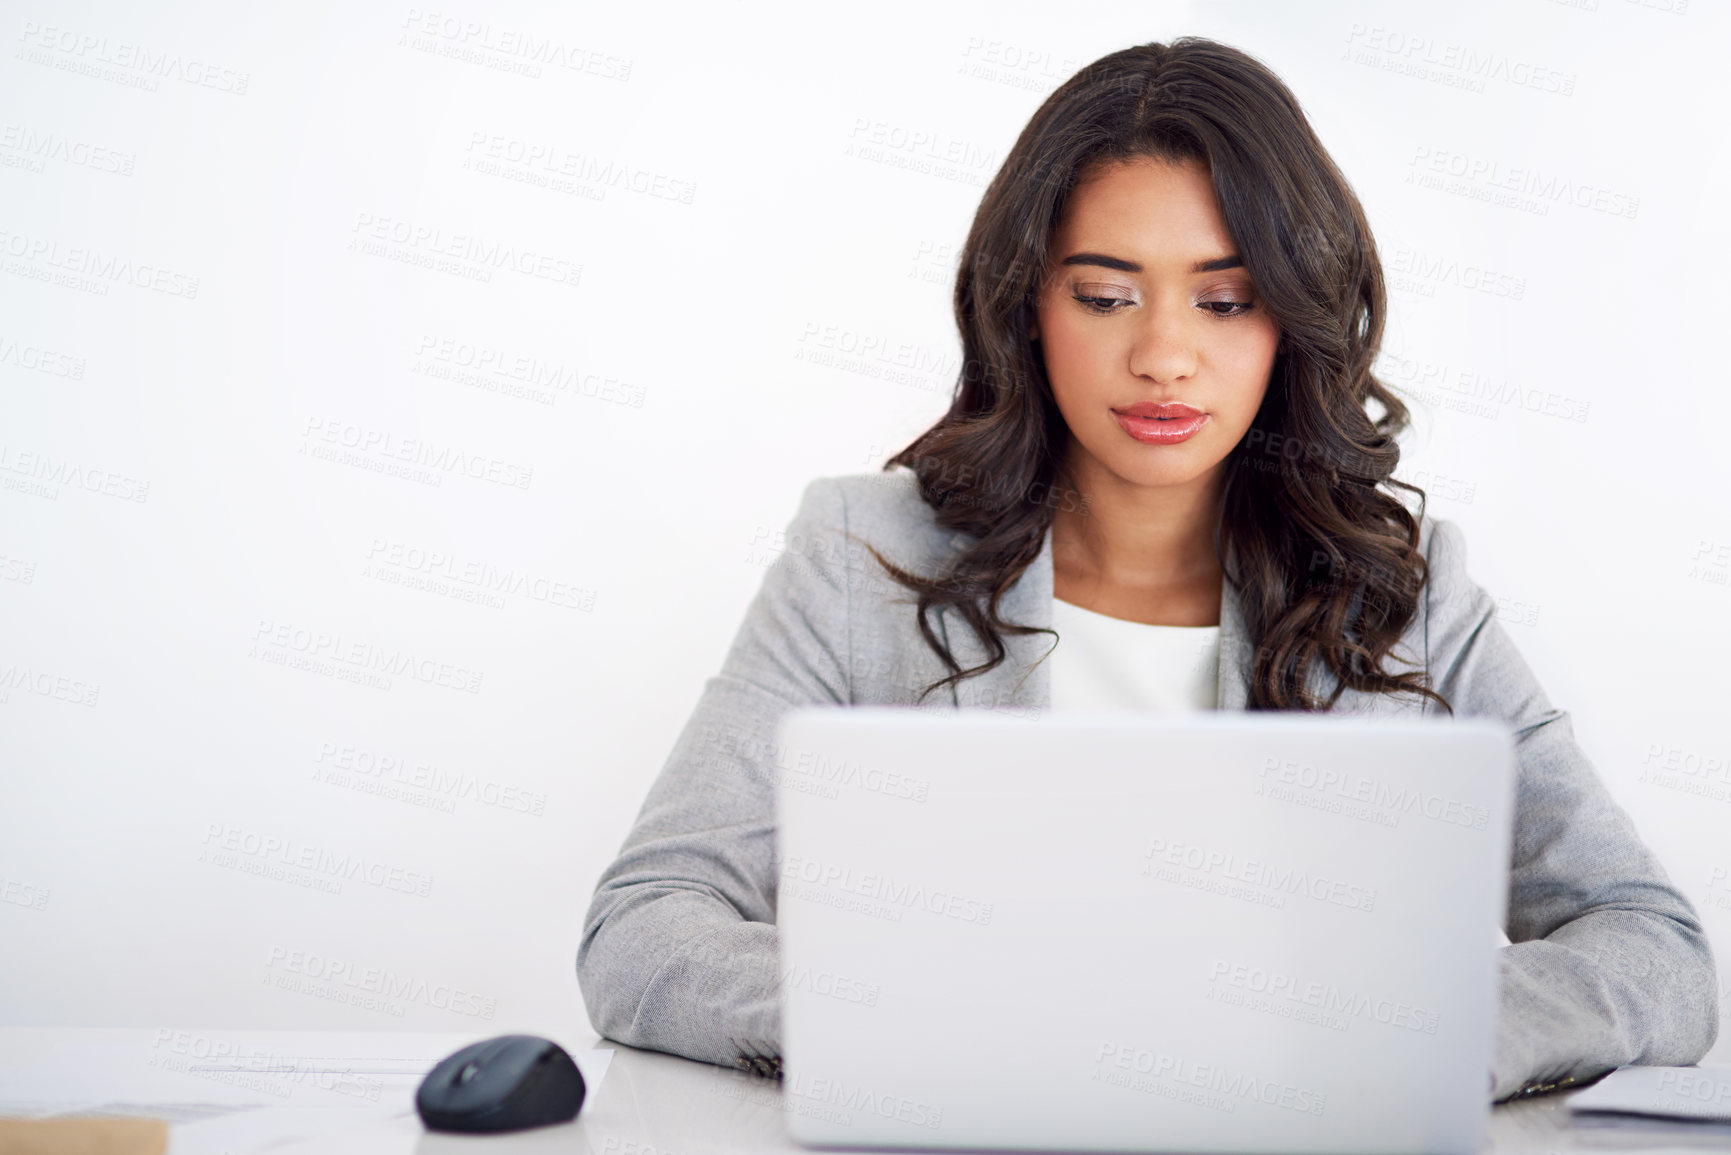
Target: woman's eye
1109,305
1103,304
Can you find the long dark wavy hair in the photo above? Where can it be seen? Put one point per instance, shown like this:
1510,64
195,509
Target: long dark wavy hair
1328,566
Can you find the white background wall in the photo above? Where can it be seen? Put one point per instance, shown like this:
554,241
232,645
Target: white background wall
227,244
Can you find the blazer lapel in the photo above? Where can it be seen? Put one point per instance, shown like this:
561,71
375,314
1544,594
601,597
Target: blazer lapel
1233,686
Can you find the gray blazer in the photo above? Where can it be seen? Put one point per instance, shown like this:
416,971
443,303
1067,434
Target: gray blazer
1608,963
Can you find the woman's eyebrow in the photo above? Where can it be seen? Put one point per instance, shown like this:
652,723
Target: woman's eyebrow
1233,261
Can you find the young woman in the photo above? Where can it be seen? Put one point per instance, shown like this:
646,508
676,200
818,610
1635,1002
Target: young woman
1162,444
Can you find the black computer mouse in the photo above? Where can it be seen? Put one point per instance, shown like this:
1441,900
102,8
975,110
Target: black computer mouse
502,1084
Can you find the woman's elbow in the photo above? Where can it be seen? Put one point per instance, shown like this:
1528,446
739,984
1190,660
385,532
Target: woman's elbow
1688,1025
1708,1000
605,979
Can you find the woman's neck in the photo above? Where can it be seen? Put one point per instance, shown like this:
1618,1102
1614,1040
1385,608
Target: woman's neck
1136,537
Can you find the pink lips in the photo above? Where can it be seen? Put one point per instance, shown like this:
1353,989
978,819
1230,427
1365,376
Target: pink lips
1165,423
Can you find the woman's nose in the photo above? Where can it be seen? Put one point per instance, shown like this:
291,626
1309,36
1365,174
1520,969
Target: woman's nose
1165,344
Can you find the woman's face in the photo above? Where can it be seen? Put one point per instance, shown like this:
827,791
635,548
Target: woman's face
1148,305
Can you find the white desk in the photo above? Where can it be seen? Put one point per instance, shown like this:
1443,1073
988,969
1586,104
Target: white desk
640,1102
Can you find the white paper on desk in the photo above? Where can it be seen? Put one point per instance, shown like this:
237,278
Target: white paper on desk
269,1127
1698,1093
267,1088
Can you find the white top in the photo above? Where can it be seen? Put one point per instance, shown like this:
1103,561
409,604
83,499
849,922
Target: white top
1103,662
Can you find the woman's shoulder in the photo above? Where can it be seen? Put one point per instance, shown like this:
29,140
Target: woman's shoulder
884,509
1456,614
1448,584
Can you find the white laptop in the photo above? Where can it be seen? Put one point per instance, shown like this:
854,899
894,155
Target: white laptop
1119,931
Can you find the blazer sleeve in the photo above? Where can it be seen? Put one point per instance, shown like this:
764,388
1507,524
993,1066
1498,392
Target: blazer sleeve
1607,964
679,950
